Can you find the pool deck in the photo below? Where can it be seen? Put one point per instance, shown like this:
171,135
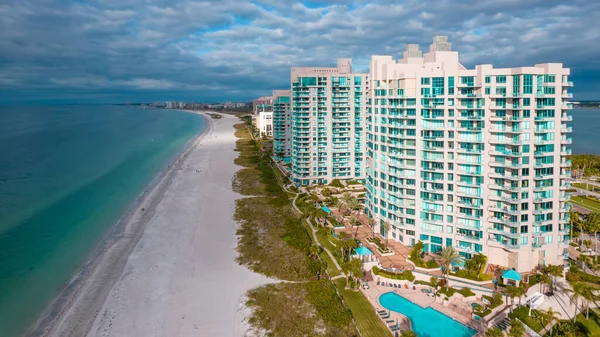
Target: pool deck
456,309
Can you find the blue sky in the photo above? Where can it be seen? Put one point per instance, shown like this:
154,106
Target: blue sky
105,51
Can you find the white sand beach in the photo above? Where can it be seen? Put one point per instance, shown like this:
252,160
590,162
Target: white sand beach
180,278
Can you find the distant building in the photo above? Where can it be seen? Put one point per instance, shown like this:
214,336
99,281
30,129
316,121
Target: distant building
282,124
265,100
264,120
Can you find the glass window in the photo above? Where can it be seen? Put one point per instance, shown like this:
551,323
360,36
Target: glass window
424,80
488,79
501,79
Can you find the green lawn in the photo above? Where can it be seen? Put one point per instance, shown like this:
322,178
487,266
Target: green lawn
589,187
592,325
364,314
331,269
586,203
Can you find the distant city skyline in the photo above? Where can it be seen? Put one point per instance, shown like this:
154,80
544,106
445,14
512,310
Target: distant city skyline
94,51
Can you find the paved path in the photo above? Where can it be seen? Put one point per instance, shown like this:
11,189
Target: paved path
314,234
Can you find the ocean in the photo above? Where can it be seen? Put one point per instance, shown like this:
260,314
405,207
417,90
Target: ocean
67,174
586,137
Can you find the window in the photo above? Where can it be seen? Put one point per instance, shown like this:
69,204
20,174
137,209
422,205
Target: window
488,90
527,84
488,79
424,80
501,79
549,78
526,101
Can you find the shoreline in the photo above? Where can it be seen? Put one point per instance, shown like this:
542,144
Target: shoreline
129,227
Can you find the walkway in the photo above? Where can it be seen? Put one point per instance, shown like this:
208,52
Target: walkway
401,252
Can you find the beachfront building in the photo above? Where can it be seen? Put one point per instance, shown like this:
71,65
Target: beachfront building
282,124
470,158
328,123
261,102
264,120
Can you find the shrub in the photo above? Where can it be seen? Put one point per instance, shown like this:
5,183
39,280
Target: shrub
495,301
336,183
405,275
425,283
466,292
463,273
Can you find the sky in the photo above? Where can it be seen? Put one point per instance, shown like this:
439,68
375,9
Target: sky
118,51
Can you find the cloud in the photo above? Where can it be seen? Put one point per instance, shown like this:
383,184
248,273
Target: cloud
141,50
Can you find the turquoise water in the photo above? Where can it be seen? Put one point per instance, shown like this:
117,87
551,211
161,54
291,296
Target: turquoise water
67,174
425,322
585,131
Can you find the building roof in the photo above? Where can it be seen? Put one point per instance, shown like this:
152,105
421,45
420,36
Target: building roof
511,274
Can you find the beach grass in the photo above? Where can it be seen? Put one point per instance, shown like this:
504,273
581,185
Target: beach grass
299,309
363,312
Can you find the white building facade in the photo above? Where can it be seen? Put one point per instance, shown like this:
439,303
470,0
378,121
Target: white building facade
470,158
328,107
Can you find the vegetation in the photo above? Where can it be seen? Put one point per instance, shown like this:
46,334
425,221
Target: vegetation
408,333
474,267
367,320
404,275
380,246
215,116
448,256
585,164
336,183
585,202
517,329
310,309
466,292
463,273
494,332
415,256
495,300
532,321
274,242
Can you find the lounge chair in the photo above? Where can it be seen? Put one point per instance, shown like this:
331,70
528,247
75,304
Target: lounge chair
405,285
395,286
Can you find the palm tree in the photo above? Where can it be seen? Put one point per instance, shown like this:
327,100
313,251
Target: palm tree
592,224
447,257
576,294
574,222
315,250
520,292
544,280
551,317
353,221
339,205
588,295
354,205
511,292
553,271
372,224
386,227
346,197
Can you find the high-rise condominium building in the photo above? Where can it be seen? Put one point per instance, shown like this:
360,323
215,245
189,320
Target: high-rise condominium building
282,125
328,123
263,116
470,158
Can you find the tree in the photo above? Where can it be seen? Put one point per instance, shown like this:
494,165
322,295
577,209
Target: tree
553,271
494,332
592,224
372,225
476,264
516,328
353,221
354,205
339,205
447,257
576,294
434,281
346,197
386,227
511,292
408,333
544,280
520,292
588,294
551,316
352,268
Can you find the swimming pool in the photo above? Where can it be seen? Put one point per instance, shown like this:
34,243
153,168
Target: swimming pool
426,322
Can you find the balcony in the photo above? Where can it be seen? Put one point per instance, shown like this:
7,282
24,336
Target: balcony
567,83
503,244
505,233
567,95
566,141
